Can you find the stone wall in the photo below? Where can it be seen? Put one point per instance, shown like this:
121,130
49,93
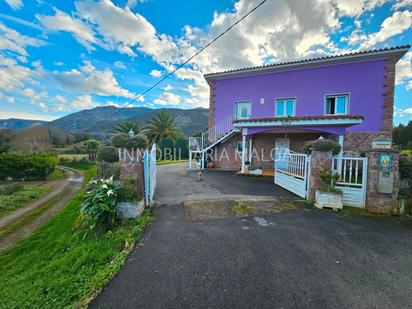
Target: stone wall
131,166
362,141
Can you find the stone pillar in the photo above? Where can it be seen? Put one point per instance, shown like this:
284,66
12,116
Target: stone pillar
319,160
377,183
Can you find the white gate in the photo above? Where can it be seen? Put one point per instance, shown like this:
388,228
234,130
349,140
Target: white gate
291,172
352,181
149,160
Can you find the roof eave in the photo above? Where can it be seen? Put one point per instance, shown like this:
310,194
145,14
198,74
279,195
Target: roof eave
397,53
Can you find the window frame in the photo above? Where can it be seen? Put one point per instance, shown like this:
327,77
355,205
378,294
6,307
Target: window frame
284,107
235,109
336,95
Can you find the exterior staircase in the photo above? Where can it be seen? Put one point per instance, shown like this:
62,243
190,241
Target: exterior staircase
213,136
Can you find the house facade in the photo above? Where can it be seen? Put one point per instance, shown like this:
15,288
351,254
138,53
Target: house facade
256,111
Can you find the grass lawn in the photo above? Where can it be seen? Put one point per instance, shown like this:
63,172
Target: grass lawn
61,264
162,162
78,156
19,199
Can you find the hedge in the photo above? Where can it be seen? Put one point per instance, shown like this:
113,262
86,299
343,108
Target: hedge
322,145
35,166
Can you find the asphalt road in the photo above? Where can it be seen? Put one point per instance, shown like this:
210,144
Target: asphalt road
293,259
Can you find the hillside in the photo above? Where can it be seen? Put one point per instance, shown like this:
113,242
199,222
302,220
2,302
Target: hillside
93,120
19,124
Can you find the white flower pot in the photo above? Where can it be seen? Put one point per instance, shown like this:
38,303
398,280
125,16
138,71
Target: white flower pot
257,171
328,200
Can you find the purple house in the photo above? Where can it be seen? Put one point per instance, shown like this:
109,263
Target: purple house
256,111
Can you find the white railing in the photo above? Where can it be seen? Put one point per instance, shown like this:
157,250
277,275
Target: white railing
220,129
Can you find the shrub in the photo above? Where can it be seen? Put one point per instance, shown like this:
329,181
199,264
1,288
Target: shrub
130,189
108,154
34,166
182,145
9,189
405,167
99,206
322,145
125,141
107,170
329,180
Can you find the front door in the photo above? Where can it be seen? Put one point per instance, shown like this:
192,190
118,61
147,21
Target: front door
281,147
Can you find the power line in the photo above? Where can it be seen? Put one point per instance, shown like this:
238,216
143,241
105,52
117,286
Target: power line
186,61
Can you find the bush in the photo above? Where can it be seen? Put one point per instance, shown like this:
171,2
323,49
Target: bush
35,166
405,167
107,170
130,189
99,206
322,145
9,189
125,141
108,154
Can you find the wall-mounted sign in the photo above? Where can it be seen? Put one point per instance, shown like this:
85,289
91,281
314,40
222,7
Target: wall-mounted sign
385,160
382,144
286,122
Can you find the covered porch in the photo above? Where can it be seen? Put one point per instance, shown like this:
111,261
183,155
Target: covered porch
263,139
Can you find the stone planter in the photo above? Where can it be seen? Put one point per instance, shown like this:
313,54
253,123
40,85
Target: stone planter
257,171
328,200
128,210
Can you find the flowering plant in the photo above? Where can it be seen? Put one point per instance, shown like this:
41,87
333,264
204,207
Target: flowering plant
99,206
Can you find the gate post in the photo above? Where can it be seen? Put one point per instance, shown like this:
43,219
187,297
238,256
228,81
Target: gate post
319,160
383,181
131,166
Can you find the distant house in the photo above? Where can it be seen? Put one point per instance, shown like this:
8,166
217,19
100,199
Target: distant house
348,98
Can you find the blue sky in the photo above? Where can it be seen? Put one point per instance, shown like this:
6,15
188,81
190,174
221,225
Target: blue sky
57,57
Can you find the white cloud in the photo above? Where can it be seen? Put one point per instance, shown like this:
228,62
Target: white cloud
404,70
155,73
119,65
10,100
402,4
124,30
168,98
61,104
6,113
15,4
167,87
90,81
12,75
62,21
391,26
356,7
12,40
402,112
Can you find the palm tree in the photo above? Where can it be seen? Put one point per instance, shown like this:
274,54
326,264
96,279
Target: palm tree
162,125
92,146
125,127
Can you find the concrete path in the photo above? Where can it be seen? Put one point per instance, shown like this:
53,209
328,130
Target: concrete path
64,190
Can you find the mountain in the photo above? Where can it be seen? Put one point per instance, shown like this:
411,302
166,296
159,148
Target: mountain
19,124
95,120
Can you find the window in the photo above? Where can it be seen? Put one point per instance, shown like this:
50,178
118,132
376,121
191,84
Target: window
336,105
285,107
242,110
239,146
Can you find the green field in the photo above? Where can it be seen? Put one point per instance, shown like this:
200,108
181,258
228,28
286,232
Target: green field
72,157
63,264
19,199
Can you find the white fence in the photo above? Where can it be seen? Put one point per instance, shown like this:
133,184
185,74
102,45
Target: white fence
352,179
291,172
149,163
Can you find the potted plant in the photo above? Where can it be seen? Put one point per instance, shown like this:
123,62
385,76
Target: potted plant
327,195
255,170
247,164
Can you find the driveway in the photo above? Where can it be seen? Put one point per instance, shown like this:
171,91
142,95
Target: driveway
293,259
175,184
